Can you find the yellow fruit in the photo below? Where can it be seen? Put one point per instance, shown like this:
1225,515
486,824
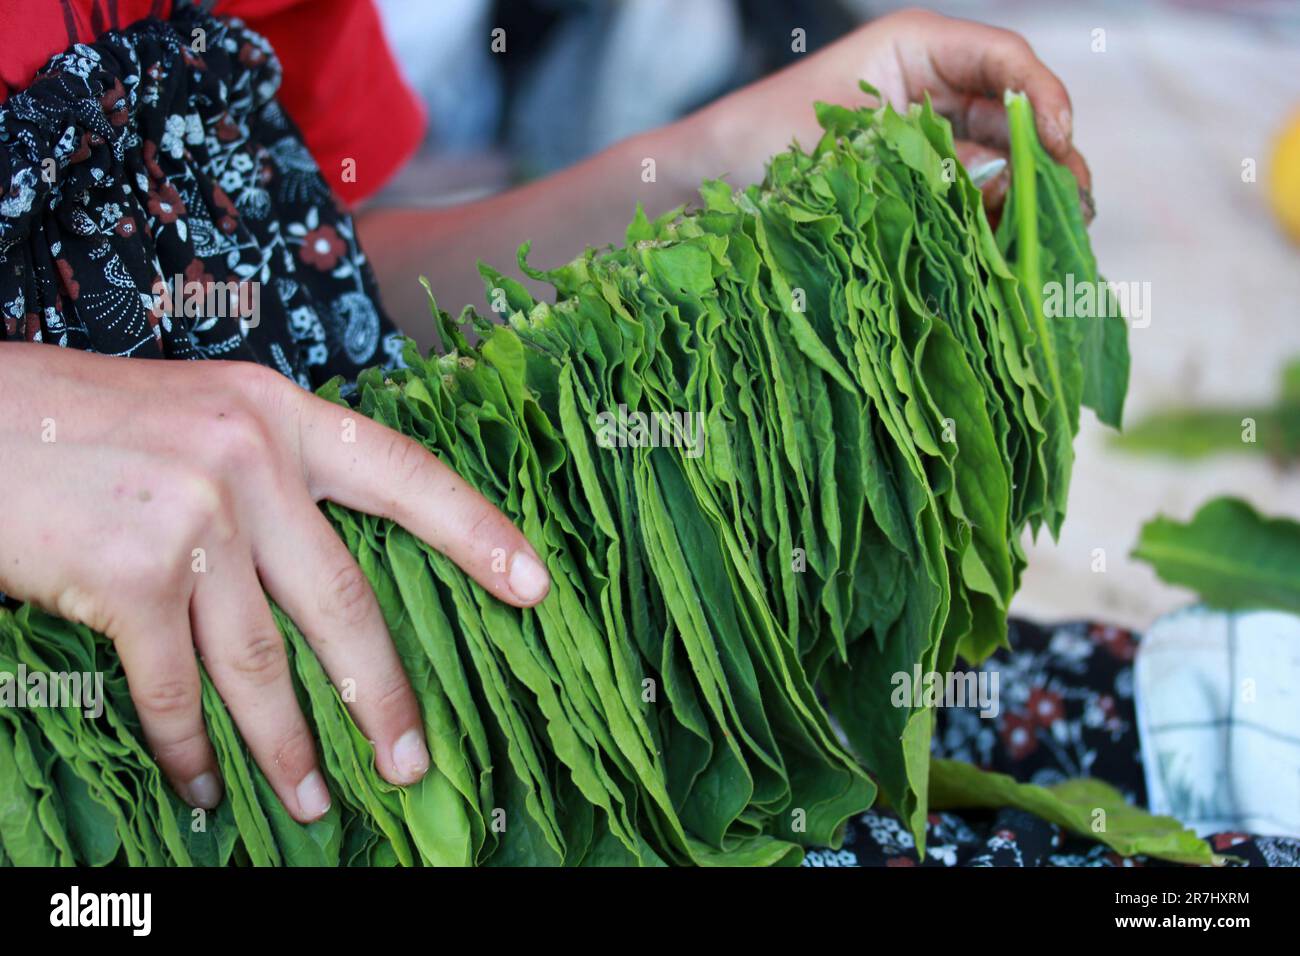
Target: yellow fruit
1284,177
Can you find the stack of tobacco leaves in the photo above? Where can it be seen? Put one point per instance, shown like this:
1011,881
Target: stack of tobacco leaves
774,451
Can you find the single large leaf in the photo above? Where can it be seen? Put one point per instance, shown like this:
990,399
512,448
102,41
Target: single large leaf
1272,430
1085,806
1230,555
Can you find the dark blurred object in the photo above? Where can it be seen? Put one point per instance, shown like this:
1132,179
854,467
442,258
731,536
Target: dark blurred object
577,75
582,74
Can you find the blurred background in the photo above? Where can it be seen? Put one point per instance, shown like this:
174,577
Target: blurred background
1187,112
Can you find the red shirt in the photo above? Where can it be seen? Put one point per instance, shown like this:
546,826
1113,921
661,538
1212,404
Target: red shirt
341,84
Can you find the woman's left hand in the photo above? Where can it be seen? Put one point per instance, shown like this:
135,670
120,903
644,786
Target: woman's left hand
963,66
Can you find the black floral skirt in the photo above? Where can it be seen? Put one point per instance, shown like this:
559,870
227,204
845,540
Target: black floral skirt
156,201
1067,711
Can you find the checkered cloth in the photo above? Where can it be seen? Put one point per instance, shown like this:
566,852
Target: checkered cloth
1218,712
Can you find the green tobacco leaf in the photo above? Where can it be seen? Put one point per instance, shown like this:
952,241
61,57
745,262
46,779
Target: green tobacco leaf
1272,430
1085,806
1200,433
1230,555
25,841
1044,229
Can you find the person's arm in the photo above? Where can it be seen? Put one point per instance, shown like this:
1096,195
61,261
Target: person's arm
587,204
963,66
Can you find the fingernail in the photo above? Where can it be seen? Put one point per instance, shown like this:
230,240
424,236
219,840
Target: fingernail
1066,122
410,756
313,796
528,579
984,172
204,791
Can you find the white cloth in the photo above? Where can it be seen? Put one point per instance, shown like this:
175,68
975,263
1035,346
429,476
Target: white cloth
1218,710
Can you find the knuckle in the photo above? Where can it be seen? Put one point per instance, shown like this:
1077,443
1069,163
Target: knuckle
488,525
393,695
197,501
347,596
85,606
237,441
185,748
911,15
167,698
147,569
261,660
294,755
405,459
1017,43
250,380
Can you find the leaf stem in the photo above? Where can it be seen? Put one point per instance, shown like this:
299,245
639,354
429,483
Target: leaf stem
1024,187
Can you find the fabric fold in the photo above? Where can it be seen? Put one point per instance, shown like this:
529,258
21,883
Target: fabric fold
156,201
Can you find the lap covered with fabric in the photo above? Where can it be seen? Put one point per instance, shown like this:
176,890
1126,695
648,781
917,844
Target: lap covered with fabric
157,201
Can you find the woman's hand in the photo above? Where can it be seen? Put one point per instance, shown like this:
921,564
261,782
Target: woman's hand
153,501
962,65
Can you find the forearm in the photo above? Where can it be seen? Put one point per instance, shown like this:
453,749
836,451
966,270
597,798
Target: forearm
962,66
588,204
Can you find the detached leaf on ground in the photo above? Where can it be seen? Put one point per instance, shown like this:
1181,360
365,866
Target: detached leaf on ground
1229,554
1085,806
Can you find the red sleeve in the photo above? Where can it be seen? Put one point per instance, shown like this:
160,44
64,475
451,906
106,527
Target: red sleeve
32,31
341,86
